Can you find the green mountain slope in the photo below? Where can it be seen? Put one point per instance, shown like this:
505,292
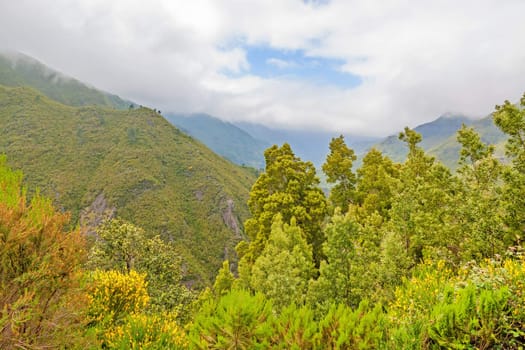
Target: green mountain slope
439,139
223,138
433,133
132,163
17,69
448,150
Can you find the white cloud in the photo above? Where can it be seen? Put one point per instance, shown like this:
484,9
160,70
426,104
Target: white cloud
417,59
281,64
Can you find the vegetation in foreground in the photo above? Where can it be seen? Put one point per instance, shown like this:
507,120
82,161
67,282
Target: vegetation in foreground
400,256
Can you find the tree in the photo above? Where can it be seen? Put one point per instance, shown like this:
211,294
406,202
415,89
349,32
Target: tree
41,302
338,169
377,182
285,266
288,187
337,277
478,166
118,246
511,120
422,217
123,247
224,280
479,205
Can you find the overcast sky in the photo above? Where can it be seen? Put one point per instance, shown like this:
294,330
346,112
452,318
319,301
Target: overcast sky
362,67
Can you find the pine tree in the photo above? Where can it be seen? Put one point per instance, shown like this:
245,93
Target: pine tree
377,182
479,203
422,213
238,320
337,278
338,169
511,120
288,187
285,266
224,280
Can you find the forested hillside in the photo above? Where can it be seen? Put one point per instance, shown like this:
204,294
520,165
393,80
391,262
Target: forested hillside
399,256
97,162
17,69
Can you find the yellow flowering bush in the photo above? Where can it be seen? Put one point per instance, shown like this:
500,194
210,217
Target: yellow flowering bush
481,305
113,295
421,291
143,331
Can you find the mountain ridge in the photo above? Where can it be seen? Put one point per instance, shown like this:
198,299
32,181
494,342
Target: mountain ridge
18,69
439,138
133,163
222,137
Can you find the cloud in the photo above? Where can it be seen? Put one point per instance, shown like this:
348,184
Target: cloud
281,64
416,60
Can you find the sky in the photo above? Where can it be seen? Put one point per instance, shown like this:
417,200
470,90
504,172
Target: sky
357,66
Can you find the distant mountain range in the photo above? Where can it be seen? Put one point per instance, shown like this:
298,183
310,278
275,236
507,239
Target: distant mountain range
307,144
98,161
244,143
439,139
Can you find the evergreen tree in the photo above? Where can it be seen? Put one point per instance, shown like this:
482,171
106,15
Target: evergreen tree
479,203
377,182
285,266
337,277
224,280
338,169
238,320
288,187
349,273
422,213
511,120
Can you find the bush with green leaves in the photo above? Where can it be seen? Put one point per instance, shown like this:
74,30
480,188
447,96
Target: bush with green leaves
238,320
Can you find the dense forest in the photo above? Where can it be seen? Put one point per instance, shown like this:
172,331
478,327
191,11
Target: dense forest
398,256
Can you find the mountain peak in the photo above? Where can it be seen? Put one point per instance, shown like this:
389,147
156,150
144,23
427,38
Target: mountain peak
18,69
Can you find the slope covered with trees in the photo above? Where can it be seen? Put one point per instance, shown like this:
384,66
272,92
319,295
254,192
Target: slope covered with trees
17,69
419,259
97,162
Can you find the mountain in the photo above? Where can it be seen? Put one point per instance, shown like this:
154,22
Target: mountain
223,138
448,150
439,139
308,145
96,161
244,143
433,133
17,69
